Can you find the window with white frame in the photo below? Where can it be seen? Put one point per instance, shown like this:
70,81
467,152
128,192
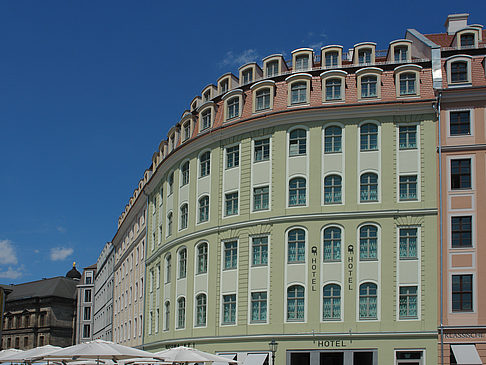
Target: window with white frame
229,309
182,263
232,156
408,243
333,89
295,303
467,40
332,244
206,119
460,123
202,258
204,209
187,130
298,92
262,101
407,307
233,108
261,149
408,82
369,187
369,86
332,139
368,134
259,249
331,59
167,316
459,72
181,312
368,242
169,223
296,246
297,142
230,258
332,189
364,56
297,192
368,302
185,173
200,310
408,187
168,267
272,68
205,164
247,76
400,54
331,302
407,137
231,204
301,63
184,216
170,182
260,198
258,307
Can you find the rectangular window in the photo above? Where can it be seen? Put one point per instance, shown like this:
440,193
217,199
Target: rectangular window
233,108
260,198
87,295
187,131
408,243
262,101
229,309
272,68
364,56
461,174
247,76
301,63
407,84
408,187
86,331
333,89
231,204
223,86
368,86
460,123
461,232
232,157
407,136
459,72
331,59
408,302
259,306
298,92
87,313
462,294
400,54
230,255
259,251
206,119
261,150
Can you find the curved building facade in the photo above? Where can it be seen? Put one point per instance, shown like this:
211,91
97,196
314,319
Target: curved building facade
296,203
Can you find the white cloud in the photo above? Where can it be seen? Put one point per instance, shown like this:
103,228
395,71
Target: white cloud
232,59
60,253
61,229
11,273
7,253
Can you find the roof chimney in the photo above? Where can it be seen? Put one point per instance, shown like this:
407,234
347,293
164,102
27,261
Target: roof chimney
455,22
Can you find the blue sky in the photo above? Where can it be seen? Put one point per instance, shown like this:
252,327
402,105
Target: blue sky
88,89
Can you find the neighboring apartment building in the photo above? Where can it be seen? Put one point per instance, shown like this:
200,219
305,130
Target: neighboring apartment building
85,305
103,294
462,104
129,270
41,313
297,204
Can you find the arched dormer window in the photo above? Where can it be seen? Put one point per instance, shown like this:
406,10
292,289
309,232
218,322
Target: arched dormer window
249,73
364,53
369,83
263,94
274,65
298,89
207,111
302,59
407,80
331,56
333,86
233,104
399,51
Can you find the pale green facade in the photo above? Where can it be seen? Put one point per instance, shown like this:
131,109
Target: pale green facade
381,336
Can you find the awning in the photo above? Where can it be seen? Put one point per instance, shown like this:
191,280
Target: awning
228,356
255,359
466,354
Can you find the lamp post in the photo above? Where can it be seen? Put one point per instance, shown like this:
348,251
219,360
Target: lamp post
273,347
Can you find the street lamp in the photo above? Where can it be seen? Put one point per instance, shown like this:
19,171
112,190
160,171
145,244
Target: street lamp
273,347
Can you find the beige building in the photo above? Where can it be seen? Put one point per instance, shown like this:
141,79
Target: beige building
129,270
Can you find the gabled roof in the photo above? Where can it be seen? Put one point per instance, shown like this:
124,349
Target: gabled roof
59,286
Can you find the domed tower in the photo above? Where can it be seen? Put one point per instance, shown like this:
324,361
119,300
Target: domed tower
73,273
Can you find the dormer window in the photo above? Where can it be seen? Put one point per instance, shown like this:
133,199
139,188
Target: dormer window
223,86
299,92
369,82
262,99
206,119
331,59
467,40
272,68
233,107
187,130
247,76
407,84
407,80
207,95
368,86
459,72
298,89
400,54
263,93
333,83
301,63
364,56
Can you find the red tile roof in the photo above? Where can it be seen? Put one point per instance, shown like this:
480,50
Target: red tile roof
445,40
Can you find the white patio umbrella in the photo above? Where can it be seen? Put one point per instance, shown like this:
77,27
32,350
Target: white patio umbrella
98,350
8,352
30,355
184,355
